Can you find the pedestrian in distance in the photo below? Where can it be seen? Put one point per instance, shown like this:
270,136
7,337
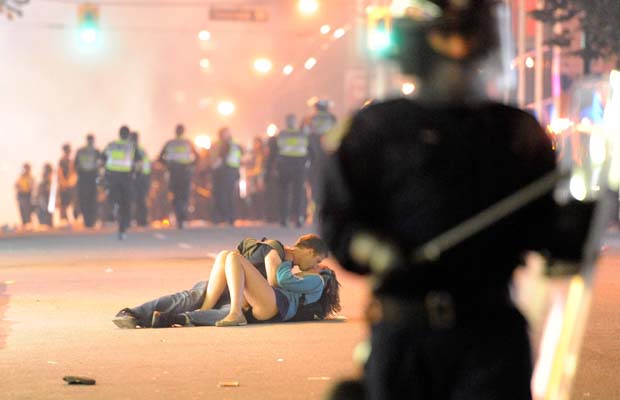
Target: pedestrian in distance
24,188
142,182
289,155
179,155
44,196
87,165
67,181
121,159
226,163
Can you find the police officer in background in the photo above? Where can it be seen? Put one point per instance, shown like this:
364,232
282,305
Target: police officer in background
120,158
142,182
289,152
443,325
226,163
87,167
179,156
318,124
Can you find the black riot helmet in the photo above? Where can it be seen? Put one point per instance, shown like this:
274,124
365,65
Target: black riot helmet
428,32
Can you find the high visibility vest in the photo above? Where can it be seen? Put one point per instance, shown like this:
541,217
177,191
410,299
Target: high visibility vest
292,143
233,159
120,155
322,122
179,151
87,159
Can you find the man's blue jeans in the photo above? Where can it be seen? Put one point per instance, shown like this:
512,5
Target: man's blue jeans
187,302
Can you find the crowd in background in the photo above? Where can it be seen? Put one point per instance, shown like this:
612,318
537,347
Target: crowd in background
255,190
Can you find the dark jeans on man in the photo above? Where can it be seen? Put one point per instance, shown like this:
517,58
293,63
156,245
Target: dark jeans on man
180,186
67,198
87,194
120,194
186,302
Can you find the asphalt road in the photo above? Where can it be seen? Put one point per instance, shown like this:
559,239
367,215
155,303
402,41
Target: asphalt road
58,293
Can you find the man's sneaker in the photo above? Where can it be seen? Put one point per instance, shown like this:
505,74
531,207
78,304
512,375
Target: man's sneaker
125,319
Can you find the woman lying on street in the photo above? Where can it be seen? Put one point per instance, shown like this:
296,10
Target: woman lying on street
247,287
260,277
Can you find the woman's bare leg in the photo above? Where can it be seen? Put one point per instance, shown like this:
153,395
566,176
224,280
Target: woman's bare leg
246,283
217,281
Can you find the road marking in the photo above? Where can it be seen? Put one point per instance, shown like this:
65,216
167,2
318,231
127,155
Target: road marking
185,246
159,236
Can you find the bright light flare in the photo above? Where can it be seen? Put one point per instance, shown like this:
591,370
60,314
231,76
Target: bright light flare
205,63
226,108
340,32
308,7
88,35
310,63
407,88
202,141
288,69
325,29
204,35
559,125
529,62
263,65
272,129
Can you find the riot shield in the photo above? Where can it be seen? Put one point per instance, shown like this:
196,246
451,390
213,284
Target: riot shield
556,297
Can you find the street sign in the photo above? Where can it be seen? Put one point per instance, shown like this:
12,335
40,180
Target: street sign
239,14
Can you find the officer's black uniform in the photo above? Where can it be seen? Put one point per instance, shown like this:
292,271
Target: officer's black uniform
405,172
119,158
142,183
319,124
289,152
179,156
225,181
87,167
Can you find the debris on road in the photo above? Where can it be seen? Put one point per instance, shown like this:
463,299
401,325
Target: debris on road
319,378
229,384
78,380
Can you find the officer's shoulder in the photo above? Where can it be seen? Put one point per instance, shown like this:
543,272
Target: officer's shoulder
388,107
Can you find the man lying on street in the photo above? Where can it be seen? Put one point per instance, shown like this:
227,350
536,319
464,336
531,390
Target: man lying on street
259,287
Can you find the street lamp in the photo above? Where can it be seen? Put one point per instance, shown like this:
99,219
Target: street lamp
288,69
308,7
310,63
205,63
272,129
262,65
204,35
226,108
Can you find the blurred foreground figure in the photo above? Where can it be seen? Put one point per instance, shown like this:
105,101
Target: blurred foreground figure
87,167
443,325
